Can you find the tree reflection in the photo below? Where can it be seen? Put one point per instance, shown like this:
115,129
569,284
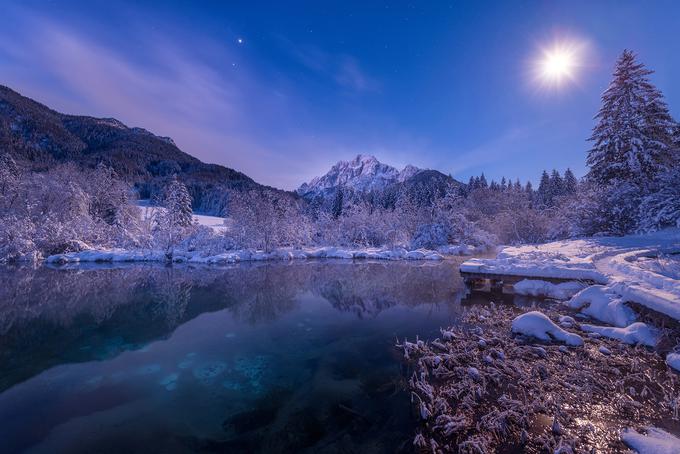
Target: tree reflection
53,316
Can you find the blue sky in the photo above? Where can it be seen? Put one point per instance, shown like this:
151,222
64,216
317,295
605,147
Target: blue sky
445,85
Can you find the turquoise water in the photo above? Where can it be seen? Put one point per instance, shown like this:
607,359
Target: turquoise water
279,357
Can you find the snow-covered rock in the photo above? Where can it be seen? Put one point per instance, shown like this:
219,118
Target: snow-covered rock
636,333
538,325
559,291
673,360
334,253
600,303
604,350
655,441
415,255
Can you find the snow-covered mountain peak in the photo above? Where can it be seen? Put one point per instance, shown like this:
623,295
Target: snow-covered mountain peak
363,173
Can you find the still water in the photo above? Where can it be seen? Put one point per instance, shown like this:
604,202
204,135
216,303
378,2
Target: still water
274,357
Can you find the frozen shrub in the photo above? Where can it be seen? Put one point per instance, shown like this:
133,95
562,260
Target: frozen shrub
429,236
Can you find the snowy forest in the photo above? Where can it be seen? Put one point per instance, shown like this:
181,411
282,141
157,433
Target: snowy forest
632,185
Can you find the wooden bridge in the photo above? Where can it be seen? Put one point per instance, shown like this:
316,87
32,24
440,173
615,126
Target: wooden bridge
493,282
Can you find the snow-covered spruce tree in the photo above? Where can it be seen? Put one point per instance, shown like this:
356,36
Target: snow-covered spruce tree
177,203
171,223
632,142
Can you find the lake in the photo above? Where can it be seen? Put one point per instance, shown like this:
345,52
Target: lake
265,357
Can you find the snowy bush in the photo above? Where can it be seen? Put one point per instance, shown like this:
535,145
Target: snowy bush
662,208
16,239
65,209
266,219
429,236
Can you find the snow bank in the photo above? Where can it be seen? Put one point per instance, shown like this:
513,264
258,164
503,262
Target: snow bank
121,255
538,325
110,255
655,441
560,291
637,333
673,360
600,303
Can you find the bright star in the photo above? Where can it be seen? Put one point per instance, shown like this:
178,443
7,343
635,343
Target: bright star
239,40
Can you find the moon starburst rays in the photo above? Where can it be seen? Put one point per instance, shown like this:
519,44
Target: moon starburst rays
558,64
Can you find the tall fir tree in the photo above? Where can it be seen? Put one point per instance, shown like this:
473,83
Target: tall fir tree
556,186
518,186
569,183
544,197
632,140
482,182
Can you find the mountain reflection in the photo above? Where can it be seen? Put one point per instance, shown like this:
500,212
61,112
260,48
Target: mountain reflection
53,316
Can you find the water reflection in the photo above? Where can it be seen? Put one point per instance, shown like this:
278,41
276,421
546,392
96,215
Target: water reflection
255,357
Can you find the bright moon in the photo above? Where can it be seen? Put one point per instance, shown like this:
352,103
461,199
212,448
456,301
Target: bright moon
558,63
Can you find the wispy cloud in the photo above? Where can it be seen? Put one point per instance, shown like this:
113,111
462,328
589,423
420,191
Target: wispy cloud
342,69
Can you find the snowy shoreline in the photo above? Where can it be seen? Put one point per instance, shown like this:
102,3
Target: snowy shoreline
122,255
618,264
627,280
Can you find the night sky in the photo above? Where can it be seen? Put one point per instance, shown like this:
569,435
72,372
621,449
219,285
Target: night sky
283,90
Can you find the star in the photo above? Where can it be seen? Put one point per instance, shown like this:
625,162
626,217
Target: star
239,40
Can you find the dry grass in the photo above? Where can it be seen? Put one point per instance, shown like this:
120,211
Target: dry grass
480,389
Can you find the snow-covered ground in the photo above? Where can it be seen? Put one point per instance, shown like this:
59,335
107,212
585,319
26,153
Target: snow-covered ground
635,268
215,222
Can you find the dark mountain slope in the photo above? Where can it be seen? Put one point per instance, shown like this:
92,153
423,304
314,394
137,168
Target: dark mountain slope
39,138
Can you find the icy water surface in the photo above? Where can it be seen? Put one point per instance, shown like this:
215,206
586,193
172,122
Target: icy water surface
278,357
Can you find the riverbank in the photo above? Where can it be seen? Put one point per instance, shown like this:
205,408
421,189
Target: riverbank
121,255
598,371
482,388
